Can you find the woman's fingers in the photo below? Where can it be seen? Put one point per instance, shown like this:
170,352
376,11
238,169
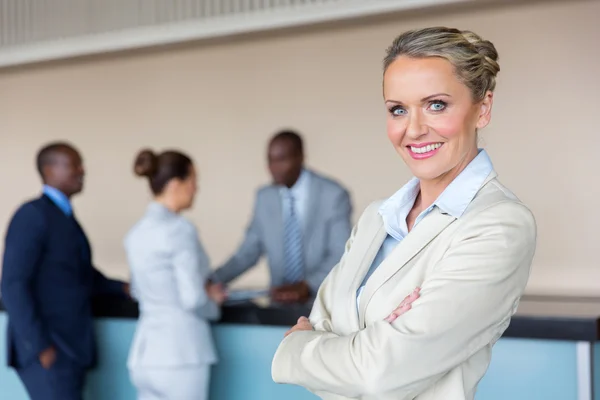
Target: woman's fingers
404,306
410,298
398,312
303,323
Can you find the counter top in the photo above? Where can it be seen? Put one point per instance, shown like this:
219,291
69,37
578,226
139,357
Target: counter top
538,317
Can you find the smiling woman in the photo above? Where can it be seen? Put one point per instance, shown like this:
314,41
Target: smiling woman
438,95
430,277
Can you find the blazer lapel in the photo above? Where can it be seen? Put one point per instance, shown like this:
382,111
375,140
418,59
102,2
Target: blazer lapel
71,220
493,175
421,235
378,234
274,240
312,212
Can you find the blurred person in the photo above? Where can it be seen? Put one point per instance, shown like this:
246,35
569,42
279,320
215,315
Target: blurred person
173,349
301,222
48,280
453,239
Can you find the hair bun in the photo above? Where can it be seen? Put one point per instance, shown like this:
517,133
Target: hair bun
146,163
486,49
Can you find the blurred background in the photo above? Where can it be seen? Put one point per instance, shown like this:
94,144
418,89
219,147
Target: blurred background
222,97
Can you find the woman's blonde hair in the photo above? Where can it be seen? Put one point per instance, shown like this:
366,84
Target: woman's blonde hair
475,60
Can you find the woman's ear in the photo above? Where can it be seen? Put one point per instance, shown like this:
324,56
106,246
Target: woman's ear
485,110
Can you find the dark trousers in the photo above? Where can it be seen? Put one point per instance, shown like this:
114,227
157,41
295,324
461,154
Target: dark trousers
62,381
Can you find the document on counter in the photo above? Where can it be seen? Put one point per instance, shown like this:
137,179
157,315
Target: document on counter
245,295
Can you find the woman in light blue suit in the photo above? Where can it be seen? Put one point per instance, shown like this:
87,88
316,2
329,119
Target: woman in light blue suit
172,350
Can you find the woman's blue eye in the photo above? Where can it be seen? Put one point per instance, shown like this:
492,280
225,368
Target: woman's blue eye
398,111
437,106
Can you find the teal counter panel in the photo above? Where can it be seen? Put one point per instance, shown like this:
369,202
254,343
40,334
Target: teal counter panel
526,369
244,370
521,369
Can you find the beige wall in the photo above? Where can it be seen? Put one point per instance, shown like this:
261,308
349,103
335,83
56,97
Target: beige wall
221,102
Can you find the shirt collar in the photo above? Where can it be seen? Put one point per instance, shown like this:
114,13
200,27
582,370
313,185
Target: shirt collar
59,198
395,209
300,186
157,208
454,200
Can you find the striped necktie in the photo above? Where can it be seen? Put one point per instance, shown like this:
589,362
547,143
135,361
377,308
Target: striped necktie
292,245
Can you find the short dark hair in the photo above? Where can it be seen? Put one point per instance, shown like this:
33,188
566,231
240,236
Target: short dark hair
292,136
161,168
47,154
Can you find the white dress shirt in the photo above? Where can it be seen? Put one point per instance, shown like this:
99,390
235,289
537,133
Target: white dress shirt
300,191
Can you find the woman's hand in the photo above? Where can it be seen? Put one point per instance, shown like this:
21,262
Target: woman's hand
303,324
216,292
404,306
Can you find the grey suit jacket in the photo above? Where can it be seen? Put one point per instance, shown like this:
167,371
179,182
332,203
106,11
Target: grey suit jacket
169,268
326,230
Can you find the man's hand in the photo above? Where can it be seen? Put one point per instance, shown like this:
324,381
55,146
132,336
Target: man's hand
216,292
127,289
404,306
48,357
294,293
302,325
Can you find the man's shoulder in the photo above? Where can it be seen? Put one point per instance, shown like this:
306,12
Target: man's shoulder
328,183
265,190
262,195
30,215
36,205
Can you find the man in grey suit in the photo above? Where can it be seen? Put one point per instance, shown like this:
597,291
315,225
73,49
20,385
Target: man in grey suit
301,223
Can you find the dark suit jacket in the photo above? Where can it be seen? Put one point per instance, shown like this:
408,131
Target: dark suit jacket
48,281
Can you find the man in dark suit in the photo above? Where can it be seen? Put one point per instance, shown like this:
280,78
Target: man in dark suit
48,280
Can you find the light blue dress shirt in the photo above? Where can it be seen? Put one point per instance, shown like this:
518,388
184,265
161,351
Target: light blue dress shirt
454,200
59,198
300,192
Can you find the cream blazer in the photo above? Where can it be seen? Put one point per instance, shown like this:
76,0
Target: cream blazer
472,271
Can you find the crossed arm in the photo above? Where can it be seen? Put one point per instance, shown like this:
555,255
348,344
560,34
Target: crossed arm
465,305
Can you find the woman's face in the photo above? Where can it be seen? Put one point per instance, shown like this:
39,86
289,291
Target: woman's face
432,119
185,190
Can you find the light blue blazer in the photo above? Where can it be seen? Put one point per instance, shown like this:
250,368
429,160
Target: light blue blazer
169,268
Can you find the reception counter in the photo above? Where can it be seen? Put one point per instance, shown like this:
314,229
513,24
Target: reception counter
549,352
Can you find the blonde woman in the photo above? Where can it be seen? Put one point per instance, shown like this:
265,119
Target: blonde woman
453,231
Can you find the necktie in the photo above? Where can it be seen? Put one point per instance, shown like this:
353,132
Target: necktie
292,245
